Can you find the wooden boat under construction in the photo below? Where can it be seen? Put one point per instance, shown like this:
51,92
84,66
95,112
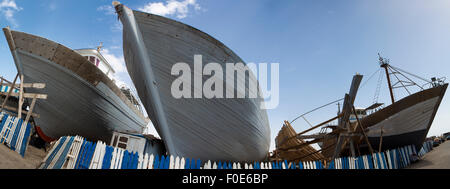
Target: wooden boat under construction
404,122
82,100
217,129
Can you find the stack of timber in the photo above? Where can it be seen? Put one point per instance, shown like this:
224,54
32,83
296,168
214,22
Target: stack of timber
290,148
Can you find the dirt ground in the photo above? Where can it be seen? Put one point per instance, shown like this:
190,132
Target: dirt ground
438,158
12,160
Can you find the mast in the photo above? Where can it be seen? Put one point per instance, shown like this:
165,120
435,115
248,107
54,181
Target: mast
385,64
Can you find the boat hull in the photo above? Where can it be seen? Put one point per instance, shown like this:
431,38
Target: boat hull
226,129
406,122
75,105
399,140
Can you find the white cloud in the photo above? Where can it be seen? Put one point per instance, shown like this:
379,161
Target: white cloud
172,7
8,8
116,62
9,4
107,9
119,82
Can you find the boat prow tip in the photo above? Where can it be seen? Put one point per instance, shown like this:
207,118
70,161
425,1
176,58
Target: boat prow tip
115,3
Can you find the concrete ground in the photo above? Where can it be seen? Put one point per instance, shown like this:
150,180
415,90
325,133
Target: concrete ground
438,158
12,160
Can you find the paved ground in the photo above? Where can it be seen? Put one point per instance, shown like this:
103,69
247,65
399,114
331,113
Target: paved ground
438,158
12,160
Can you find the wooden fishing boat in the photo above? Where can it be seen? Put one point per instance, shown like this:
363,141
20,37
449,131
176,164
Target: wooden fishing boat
377,128
82,100
231,129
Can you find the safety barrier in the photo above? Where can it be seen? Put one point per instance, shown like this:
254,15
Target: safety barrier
14,132
77,153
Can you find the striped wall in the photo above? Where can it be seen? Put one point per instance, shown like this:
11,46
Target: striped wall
76,153
14,133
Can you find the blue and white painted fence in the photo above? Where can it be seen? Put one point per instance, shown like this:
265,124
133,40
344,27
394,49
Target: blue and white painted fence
77,153
5,89
427,146
390,159
14,132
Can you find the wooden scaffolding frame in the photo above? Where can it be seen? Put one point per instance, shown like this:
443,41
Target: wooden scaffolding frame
22,96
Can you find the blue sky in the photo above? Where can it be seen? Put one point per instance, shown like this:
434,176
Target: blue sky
319,44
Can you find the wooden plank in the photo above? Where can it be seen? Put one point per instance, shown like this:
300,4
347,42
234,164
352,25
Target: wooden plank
315,136
33,102
310,129
9,93
27,85
20,97
27,95
14,109
297,145
346,111
362,130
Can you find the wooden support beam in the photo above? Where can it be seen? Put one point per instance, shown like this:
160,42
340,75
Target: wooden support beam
381,139
27,85
8,94
362,130
311,136
19,114
338,146
302,145
28,95
322,149
346,110
5,80
33,102
351,134
14,109
22,96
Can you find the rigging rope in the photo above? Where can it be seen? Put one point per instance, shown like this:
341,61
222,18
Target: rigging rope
365,82
378,89
361,86
398,69
316,109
